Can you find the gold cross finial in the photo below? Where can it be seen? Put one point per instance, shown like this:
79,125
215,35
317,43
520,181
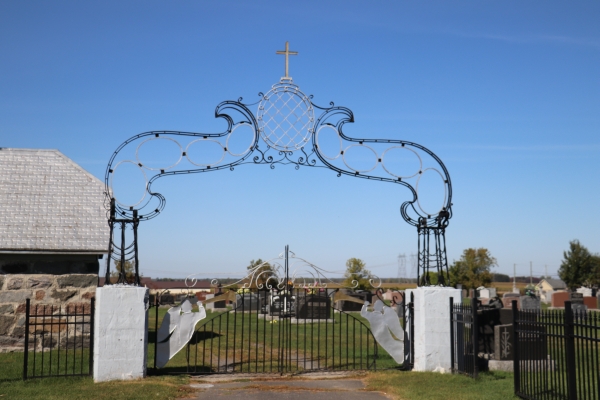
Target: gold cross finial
287,53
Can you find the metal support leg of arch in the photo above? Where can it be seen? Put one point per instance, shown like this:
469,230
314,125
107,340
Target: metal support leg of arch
121,252
432,256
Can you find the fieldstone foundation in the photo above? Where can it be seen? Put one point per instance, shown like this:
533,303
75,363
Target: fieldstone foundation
47,294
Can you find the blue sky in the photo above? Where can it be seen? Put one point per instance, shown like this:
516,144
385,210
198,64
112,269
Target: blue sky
506,93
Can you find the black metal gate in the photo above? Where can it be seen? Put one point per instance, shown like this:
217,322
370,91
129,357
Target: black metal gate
273,325
464,338
58,340
247,339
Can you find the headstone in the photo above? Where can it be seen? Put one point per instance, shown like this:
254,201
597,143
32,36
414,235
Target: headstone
530,303
576,298
532,343
493,292
487,319
503,342
247,302
507,299
586,292
577,304
313,307
484,293
209,306
352,306
282,304
219,304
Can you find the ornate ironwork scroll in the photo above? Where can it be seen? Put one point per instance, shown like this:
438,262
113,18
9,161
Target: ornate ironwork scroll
288,129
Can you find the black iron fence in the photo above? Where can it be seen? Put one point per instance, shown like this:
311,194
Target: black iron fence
464,340
557,353
294,332
58,340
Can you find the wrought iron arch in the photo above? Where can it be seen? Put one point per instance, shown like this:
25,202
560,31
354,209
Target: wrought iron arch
272,144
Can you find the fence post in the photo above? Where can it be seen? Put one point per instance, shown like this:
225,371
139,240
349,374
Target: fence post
570,350
26,351
155,330
92,309
411,308
451,334
475,337
516,355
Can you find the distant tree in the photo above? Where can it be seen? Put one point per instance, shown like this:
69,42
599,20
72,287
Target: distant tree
595,278
473,268
356,273
434,278
579,266
262,273
129,271
500,278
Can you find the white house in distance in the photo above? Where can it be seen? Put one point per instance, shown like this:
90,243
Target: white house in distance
546,287
53,233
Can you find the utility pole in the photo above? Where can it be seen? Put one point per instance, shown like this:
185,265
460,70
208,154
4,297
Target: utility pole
530,273
515,278
546,267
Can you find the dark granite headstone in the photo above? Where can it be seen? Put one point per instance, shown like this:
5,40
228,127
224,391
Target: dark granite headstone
487,319
577,305
532,343
246,302
219,304
576,298
530,303
282,304
313,307
352,306
503,342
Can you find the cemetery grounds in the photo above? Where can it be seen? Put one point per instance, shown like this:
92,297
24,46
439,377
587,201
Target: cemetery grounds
396,384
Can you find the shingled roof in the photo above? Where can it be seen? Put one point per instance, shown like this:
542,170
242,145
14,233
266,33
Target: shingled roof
49,204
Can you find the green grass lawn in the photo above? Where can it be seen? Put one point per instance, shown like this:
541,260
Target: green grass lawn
433,386
13,387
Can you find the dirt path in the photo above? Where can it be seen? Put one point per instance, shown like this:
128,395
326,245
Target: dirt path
313,386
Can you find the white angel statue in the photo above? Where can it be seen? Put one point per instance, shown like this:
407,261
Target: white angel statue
177,329
386,329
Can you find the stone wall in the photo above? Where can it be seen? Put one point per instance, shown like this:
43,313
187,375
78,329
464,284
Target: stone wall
71,291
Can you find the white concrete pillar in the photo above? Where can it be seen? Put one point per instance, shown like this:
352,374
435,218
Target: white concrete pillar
120,333
432,327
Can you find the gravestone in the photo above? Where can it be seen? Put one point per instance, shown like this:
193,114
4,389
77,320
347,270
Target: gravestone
313,307
530,303
282,304
532,343
352,306
247,302
220,304
577,305
503,342
209,306
507,299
